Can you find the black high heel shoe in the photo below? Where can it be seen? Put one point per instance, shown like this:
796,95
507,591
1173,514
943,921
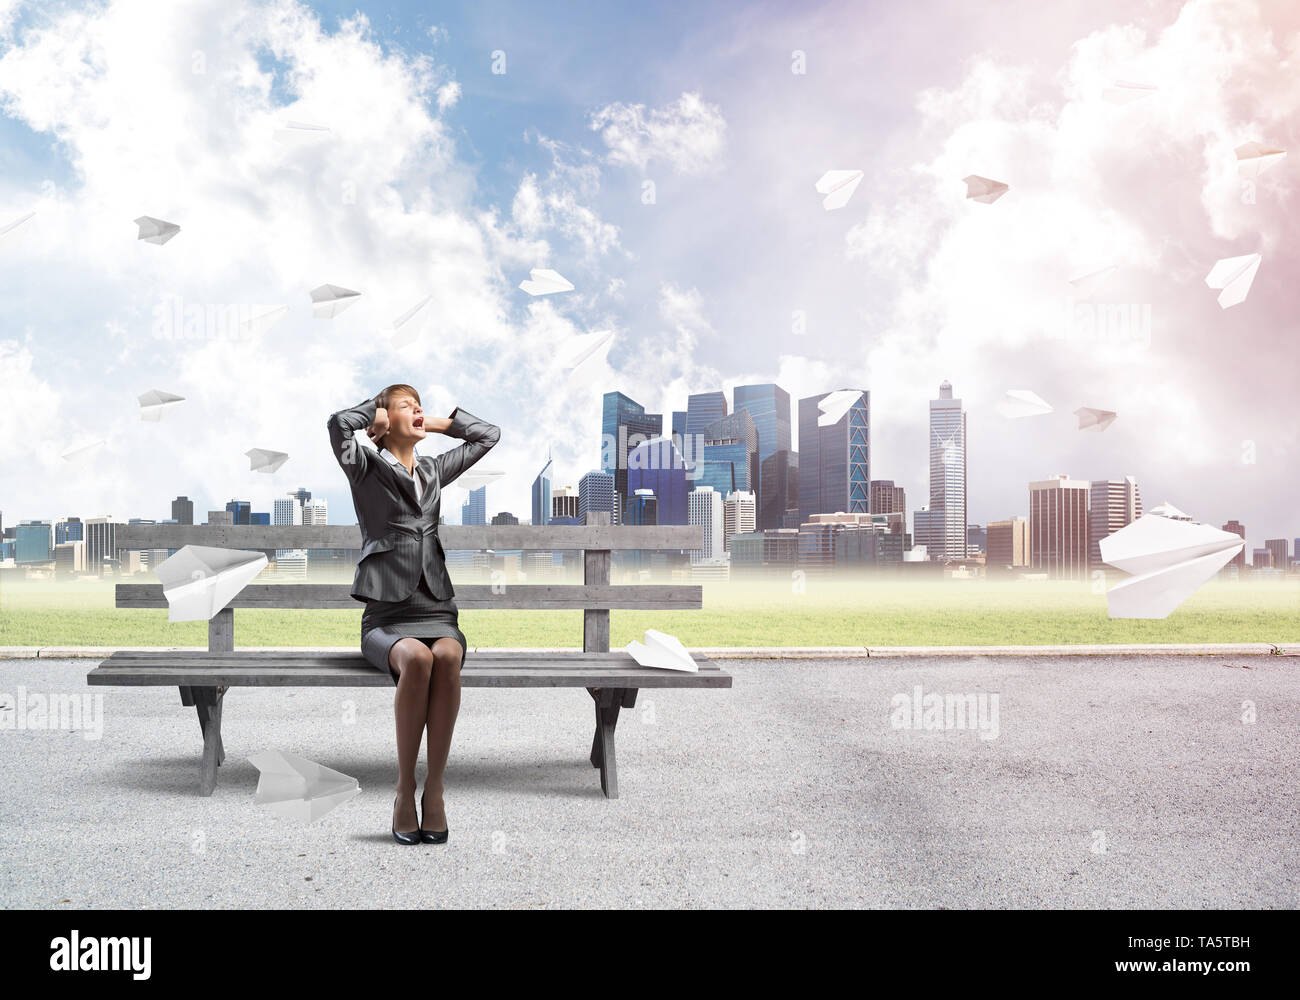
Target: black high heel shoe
405,838
431,836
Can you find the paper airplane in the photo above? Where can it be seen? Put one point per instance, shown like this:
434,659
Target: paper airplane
1167,509
156,230
80,451
297,788
200,580
265,460
1089,281
261,319
11,226
1253,158
982,189
1123,92
1234,275
832,407
404,331
1094,420
1023,403
1169,559
542,281
662,650
155,402
838,187
472,479
581,357
330,300
291,131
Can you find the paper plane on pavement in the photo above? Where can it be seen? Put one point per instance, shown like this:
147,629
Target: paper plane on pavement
297,788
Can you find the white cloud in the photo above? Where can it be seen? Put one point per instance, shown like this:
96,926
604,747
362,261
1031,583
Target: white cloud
688,135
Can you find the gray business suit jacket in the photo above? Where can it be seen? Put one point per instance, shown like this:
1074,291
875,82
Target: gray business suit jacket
399,532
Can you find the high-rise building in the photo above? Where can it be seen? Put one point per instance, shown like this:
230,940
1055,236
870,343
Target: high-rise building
1277,546
1239,560
886,498
596,493
769,406
656,465
1058,527
102,555
542,494
564,503
239,510
624,424
976,539
778,477
732,439
1261,559
183,510
1112,504
474,509
739,510
835,458
1008,544
705,508
948,471
928,531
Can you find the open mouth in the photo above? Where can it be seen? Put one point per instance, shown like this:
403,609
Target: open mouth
419,421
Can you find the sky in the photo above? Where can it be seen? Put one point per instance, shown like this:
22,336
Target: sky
664,160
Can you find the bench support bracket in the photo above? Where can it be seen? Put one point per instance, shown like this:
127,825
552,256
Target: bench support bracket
608,702
207,702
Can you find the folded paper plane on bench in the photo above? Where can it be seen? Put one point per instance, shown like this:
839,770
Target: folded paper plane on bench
1169,558
199,580
662,650
297,788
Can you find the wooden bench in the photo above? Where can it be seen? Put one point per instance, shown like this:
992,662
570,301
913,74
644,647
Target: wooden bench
611,677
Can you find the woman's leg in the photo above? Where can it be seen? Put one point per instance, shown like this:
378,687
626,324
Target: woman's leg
412,661
443,706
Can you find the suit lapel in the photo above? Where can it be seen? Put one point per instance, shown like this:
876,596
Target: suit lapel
431,486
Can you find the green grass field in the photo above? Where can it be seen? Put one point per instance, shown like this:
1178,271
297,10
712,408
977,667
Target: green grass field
842,612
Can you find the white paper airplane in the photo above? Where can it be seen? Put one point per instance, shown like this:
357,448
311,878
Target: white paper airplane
155,402
297,788
472,479
265,460
1023,403
1235,276
832,407
1090,281
1167,509
982,189
330,300
1123,92
11,226
1094,420
156,230
1253,158
1169,560
404,331
838,187
291,131
543,281
582,357
262,318
80,452
662,650
200,580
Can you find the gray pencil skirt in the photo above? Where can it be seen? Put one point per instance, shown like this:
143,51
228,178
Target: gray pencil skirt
420,616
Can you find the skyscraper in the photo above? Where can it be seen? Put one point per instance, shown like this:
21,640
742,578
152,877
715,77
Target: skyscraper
1277,546
706,510
1239,560
732,439
1112,504
624,425
835,458
769,406
886,498
1058,527
656,465
542,494
1008,544
948,470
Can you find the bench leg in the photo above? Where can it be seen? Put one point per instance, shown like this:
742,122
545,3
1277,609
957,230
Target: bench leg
608,702
187,698
207,701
